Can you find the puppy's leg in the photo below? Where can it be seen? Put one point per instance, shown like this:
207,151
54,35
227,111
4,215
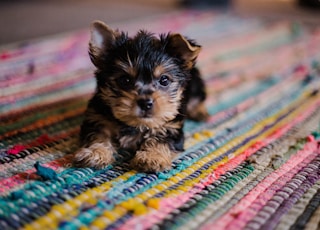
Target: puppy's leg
97,149
196,110
195,95
96,155
153,156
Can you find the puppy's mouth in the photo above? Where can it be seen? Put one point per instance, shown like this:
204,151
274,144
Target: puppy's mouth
145,114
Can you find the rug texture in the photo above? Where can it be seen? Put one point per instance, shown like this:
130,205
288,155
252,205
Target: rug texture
255,164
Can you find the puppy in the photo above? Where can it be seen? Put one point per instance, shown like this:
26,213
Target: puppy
147,86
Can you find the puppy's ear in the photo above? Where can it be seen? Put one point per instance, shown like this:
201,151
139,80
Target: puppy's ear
102,38
182,48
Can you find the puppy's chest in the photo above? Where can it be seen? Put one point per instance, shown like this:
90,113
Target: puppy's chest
131,138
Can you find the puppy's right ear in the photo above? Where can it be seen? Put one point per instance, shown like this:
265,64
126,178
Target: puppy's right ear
102,38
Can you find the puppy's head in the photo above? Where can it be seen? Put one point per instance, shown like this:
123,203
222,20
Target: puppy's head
142,78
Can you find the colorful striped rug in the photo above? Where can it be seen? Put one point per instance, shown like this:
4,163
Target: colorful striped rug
255,164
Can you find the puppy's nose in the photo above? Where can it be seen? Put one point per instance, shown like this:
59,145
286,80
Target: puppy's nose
145,104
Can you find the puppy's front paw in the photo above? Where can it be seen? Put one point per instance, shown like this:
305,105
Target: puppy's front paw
96,156
151,161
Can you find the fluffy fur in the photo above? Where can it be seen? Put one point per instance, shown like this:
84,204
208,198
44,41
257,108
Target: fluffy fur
146,87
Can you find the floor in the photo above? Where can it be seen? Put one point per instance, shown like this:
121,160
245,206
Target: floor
21,20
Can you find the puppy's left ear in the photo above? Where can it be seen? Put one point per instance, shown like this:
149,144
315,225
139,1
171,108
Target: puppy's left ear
102,39
182,48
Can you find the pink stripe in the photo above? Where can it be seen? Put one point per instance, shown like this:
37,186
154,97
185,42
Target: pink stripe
36,49
243,40
44,71
45,89
243,211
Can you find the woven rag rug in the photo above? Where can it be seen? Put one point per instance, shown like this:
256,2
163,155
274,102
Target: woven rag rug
255,164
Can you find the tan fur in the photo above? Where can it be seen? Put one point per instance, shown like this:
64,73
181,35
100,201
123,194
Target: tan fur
97,155
127,67
158,71
153,156
197,110
164,109
163,68
106,95
187,51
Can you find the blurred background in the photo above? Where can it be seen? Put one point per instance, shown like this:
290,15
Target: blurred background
21,20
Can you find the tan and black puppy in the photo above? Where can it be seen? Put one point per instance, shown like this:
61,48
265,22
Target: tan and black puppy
146,87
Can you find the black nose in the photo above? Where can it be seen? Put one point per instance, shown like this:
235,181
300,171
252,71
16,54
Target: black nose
145,104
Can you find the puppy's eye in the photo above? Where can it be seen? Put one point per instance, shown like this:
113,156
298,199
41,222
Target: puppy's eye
164,80
125,81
